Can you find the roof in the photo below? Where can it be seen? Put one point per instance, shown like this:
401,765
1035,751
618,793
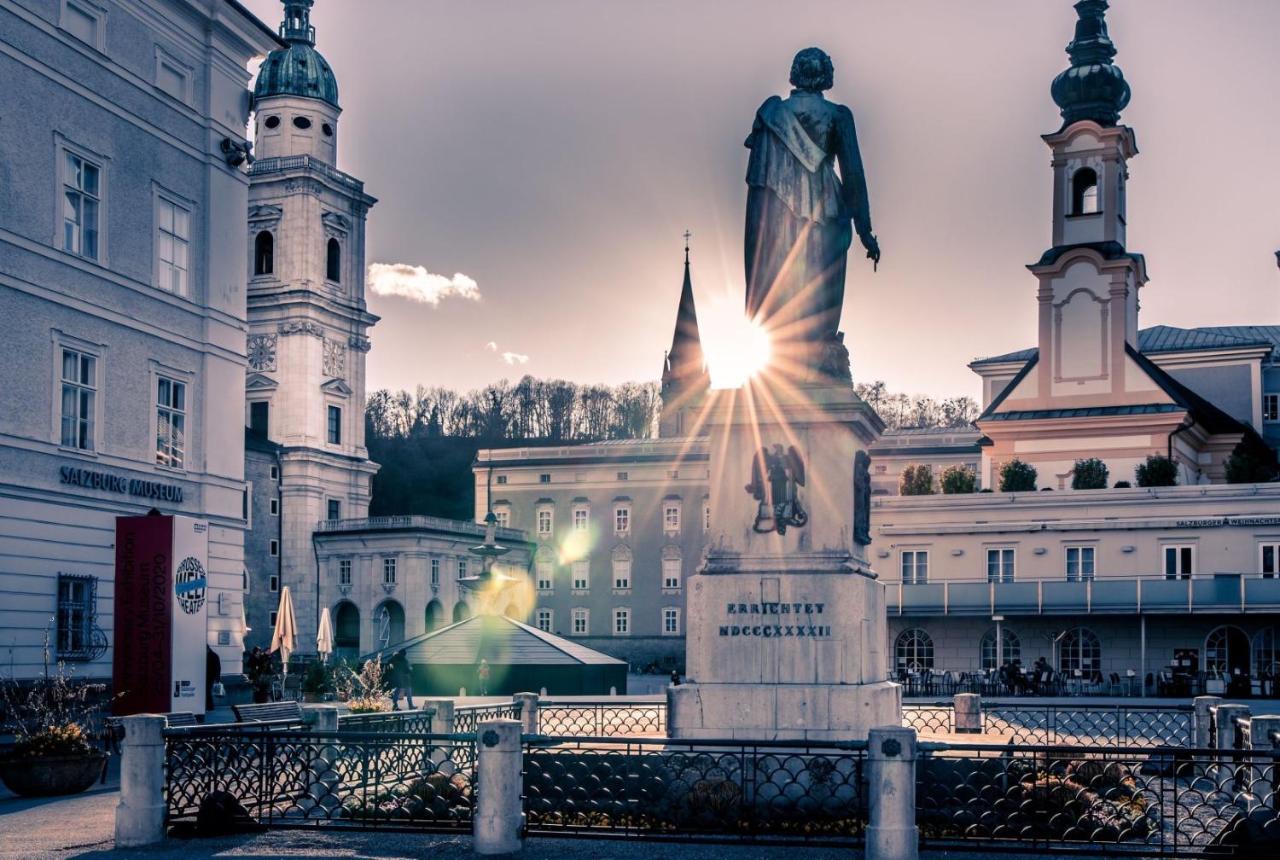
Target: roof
1165,338
297,69
500,640
254,442
1085,412
253,19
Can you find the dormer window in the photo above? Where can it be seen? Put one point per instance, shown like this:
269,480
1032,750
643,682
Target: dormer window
1084,192
333,261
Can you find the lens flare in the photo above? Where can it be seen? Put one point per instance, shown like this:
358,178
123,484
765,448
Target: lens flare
737,348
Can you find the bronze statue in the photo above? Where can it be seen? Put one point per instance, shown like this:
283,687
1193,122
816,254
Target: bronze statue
776,477
798,217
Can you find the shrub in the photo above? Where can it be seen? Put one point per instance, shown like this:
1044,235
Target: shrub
364,689
1122,485
317,679
52,716
958,479
916,480
1090,473
1017,477
1251,463
1158,471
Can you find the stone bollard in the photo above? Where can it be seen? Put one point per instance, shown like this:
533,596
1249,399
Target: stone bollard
1202,720
528,711
499,816
891,786
967,708
1262,777
442,722
1224,720
141,811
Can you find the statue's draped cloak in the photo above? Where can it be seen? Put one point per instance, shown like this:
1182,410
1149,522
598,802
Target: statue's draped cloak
798,213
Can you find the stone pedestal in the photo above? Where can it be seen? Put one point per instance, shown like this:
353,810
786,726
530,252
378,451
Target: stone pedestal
786,628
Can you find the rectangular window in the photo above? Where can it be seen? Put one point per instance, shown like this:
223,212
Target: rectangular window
544,521
671,573
706,517
275,473
502,479
915,567
173,247
77,606
623,476
273,583
581,518
622,622
1271,407
435,573
81,200
1000,565
503,517
84,22
259,418
388,571
545,575
272,618
581,622
334,509
335,425
544,479
344,571
1179,561
670,621
462,568
1269,560
171,422
1080,563
79,399
275,507
172,78
621,520
670,517
544,620
273,547
622,573
581,575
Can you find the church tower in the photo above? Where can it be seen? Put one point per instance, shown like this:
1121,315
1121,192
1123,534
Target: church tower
684,371
308,321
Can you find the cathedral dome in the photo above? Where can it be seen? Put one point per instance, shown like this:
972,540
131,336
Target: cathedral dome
297,70
1093,88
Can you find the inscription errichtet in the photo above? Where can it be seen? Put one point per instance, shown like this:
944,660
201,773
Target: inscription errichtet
759,616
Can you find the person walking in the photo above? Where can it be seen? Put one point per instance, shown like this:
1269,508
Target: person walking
401,680
482,675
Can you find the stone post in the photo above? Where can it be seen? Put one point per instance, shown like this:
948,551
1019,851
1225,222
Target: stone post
140,813
1224,718
499,816
1202,720
325,786
891,786
967,708
1262,778
442,722
528,711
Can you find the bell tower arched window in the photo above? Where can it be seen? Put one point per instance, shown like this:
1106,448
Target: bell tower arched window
1084,192
264,253
333,261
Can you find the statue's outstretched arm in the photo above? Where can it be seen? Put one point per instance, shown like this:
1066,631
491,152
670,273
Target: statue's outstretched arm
853,177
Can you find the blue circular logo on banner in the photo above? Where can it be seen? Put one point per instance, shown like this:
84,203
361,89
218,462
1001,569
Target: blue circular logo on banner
189,585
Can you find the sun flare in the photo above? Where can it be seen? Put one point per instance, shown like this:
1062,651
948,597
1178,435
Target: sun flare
737,348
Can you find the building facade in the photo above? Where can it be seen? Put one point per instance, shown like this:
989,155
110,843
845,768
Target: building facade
122,305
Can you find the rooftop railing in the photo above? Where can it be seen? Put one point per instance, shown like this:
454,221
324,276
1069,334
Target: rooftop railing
1218,592
364,524
279,164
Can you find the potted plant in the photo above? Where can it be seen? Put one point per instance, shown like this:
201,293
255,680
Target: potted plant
317,682
53,753
365,689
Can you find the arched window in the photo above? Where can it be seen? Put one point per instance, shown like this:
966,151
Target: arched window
913,650
346,630
1011,650
1266,660
264,253
389,624
1226,651
461,612
333,261
1080,649
1084,192
435,615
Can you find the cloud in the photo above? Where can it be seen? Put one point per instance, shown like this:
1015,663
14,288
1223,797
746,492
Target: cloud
417,284
509,357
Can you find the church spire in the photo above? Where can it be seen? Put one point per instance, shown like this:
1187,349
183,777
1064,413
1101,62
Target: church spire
1093,88
684,371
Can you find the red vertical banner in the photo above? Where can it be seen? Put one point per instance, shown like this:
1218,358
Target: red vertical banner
143,615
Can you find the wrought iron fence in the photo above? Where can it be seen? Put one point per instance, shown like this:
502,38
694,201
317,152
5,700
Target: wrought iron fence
704,789
395,722
600,719
1140,799
1099,724
356,779
936,719
467,717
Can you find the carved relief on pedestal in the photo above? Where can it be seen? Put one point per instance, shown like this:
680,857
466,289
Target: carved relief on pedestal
300,327
335,358
262,352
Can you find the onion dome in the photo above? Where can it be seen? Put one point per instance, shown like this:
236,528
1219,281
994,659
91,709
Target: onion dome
297,70
1093,88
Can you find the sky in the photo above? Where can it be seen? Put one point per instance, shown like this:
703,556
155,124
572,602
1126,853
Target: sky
544,157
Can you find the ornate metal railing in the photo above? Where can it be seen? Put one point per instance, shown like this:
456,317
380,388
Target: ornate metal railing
1099,724
604,718
395,722
936,719
1153,801
784,790
355,779
415,521
467,717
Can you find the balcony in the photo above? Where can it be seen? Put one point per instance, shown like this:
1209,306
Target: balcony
1150,595
415,522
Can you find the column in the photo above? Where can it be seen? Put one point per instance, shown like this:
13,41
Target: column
891,786
499,814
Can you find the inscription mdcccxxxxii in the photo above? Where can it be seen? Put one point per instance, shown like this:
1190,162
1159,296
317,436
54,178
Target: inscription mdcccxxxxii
775,620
